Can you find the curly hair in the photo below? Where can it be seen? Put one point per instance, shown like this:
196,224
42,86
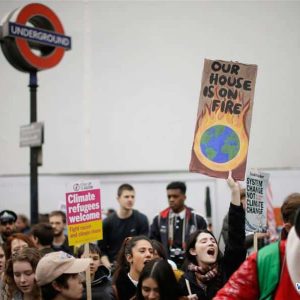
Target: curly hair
30,255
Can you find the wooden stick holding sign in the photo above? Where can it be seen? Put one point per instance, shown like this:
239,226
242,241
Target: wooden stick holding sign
86,254
257,236
188,287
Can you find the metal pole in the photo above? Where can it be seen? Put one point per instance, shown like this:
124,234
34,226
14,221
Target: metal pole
34,209
208,208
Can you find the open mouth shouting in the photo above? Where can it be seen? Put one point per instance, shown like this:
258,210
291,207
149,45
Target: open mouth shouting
206,249
211,252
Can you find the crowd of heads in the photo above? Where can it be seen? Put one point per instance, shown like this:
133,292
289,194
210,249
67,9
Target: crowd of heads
26,272
31,265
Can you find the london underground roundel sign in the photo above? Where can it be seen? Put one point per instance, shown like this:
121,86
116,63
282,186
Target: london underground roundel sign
33,38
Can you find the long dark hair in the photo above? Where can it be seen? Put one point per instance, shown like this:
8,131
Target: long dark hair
189,258
214,284
161,271
126,248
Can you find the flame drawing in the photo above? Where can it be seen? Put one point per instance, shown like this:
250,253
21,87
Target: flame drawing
235,124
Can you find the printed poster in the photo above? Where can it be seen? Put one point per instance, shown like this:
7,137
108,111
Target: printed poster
83,205
256,204
222,131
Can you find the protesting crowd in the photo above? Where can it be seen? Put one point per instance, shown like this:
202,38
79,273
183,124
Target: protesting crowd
176,256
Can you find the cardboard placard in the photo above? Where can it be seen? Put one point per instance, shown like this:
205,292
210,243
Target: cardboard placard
224,119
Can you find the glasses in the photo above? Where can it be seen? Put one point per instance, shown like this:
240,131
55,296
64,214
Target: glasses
10,222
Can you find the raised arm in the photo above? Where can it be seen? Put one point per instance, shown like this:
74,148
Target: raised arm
235,191
235,251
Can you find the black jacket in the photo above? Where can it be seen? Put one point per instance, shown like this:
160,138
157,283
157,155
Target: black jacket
115,230
159,226
124,288
64,247
101,285
234,255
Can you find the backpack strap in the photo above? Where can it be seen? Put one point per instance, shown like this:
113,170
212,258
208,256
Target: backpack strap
268,267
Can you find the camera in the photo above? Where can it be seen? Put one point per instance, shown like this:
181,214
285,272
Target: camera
177,254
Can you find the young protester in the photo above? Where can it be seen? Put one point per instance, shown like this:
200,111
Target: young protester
57,274
269,273
157,282
224,231
125,222
42,235
17,242
173,225
22,224
206,269
133,255
100,275
58,221
19,278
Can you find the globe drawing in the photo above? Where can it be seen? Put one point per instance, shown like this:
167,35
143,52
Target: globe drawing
220,144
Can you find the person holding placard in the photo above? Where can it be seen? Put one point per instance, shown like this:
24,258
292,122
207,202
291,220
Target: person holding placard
273,271
100,275
249,241
206,269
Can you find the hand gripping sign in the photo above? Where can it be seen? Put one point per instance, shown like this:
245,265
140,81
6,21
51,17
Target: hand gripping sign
33,38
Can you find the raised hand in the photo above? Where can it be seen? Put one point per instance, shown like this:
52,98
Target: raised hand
235,190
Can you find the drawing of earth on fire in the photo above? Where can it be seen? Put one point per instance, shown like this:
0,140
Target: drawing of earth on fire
220,144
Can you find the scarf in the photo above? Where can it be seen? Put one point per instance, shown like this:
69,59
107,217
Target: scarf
204,274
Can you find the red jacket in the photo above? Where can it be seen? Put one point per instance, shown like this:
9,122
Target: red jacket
243,284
